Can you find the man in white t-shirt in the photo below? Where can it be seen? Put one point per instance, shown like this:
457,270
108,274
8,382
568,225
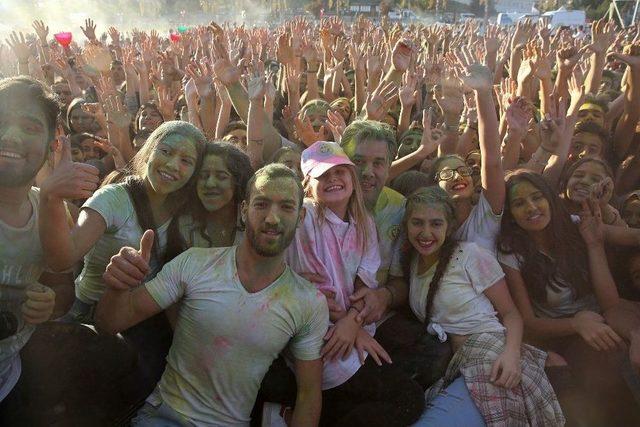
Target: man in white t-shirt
239,308
27,132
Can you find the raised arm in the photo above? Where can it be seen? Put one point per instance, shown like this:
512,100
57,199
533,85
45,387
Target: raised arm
602,36
478,77
626,126
229,76
255,122
69,180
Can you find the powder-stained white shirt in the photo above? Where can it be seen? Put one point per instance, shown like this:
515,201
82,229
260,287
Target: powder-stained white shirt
226,338
330,247
460,306
114,205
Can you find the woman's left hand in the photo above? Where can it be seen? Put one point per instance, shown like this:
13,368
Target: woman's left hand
506,371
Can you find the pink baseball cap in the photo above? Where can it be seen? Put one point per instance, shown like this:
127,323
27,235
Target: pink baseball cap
322,156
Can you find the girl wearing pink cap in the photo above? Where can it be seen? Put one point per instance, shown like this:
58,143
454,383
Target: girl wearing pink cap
336,248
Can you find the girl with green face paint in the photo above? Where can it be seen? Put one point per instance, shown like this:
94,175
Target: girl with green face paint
316,112
409,142
146,196
342,106
220,188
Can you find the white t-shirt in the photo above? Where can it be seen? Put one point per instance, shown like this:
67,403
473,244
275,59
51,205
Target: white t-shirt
113,203
481,227
561,302
226,338
330,248
460,306
21,264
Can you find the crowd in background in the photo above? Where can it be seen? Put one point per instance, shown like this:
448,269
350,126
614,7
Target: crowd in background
321,223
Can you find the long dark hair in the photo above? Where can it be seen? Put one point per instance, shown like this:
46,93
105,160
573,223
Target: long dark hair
569,261
237,162
431,196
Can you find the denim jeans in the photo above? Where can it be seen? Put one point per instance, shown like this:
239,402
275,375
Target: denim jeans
453,407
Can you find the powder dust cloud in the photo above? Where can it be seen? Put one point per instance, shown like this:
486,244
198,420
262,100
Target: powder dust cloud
161,15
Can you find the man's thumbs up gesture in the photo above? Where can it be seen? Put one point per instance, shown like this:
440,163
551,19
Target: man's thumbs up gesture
70,180
130,266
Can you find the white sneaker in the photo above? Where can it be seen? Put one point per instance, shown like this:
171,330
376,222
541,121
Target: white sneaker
273,415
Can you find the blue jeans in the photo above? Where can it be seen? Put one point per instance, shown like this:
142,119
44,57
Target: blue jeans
453,407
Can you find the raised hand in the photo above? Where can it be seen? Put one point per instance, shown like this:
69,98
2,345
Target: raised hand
427,144
474,75
257,86
166,103
401,54
631,56
567,57
518,115
491,41
117,114
202,75
451,101
305,132
128,268
542,64
42,31
380,100
114,34
19,46
407,93
70,180
552,128
602,36
89,29
591,225
336,125
226,72
524,30
96,110
310,54
105,145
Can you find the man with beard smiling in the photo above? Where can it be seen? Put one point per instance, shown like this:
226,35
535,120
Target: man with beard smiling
240,307
28,115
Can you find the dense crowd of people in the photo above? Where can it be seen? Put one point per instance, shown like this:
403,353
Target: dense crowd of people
321,223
